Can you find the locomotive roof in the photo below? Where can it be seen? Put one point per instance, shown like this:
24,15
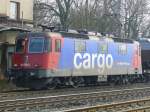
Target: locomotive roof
145,43
64,34
72,35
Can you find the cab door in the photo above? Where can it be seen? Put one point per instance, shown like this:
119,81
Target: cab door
56,43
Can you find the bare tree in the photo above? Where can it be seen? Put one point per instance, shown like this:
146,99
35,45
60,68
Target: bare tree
98,15
83,14
43,15
48,12
133,15
124,18
61,8
110,19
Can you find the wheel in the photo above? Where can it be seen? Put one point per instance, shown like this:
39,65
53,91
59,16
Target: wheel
76,82
52,84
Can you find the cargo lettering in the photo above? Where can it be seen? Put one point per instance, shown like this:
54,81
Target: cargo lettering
89,61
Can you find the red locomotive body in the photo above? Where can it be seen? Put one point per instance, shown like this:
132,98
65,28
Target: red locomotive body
34,56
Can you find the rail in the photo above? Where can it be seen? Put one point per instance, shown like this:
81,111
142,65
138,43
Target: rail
128,106
63,100
20,94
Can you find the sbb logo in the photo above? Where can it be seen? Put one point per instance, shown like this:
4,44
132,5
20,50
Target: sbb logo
90,61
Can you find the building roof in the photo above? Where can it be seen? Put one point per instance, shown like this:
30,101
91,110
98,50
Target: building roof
13,29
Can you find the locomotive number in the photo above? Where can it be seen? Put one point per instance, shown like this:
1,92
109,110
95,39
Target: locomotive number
88,61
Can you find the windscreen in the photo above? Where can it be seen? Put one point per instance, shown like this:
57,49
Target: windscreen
20,45
36,45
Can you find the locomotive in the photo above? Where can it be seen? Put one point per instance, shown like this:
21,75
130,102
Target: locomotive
49,59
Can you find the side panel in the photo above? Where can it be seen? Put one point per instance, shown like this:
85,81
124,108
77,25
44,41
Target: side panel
119,64
93,61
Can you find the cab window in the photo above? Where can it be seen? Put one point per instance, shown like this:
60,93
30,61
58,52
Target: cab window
20,45
36,45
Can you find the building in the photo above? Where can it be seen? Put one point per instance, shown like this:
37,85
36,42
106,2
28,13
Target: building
15,16
16,12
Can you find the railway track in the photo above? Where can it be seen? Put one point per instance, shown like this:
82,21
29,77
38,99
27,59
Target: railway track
142,105
71,100
20,94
